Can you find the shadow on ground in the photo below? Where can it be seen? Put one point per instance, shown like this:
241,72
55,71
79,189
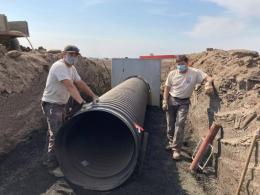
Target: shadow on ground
22,172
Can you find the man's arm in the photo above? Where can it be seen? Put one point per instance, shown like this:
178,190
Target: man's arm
85,88
209,79
73,90
208,85
166,93
165,98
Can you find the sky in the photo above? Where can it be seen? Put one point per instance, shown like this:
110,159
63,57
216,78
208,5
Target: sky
130,28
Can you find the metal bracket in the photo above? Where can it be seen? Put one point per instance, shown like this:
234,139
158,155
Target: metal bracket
209,149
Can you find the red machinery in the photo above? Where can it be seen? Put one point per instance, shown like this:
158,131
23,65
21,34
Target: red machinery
157,57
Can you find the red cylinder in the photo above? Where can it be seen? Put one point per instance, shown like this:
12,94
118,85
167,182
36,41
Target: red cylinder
203,147
157,57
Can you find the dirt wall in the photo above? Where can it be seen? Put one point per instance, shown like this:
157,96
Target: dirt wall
22,80
235,105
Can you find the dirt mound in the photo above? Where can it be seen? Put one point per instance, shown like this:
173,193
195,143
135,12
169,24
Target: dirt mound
235,105
22,80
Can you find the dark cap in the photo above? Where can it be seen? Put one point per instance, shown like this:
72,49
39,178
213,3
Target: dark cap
181,58
71,49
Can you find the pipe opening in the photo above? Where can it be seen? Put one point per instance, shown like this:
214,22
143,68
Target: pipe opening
99,144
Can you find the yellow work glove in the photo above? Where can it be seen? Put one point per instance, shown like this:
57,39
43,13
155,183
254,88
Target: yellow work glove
208,88
165,105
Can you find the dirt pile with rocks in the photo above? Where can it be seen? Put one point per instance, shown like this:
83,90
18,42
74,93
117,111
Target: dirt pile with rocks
235,105
22,80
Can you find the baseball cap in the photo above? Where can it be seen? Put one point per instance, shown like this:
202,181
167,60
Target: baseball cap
71,49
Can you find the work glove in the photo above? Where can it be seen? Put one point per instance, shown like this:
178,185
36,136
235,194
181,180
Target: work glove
165,105
208,88
95,99
75,108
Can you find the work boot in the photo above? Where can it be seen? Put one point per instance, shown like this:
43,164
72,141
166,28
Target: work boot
56,172
50,163
176,155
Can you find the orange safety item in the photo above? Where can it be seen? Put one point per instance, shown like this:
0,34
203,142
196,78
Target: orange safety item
203,147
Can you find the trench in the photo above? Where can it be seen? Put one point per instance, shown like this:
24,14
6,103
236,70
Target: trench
22,169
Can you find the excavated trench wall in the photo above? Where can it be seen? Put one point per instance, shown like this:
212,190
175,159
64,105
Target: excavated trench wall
236,106
22,80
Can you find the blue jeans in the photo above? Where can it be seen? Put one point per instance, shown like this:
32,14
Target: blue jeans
176,117
55,114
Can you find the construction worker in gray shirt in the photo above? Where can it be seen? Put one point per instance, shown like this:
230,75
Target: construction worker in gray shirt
63,82
178,89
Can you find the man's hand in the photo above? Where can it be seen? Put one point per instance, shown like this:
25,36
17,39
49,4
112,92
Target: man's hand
208,88
76,107
165,105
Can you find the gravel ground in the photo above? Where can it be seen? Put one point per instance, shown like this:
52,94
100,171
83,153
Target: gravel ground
22,172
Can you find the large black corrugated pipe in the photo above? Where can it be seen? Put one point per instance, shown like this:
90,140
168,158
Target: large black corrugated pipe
99,147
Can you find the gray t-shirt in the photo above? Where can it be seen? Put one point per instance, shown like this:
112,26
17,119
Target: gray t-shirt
55,91
182,85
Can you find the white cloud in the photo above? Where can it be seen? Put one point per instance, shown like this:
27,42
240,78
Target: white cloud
240,7
235,21
208,26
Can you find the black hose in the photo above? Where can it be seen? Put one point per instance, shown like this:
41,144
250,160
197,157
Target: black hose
99,147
